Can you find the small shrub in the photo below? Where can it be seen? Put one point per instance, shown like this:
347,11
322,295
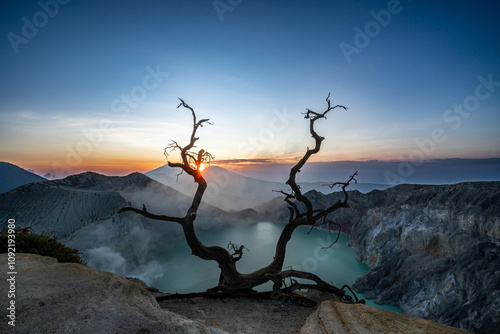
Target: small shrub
28,241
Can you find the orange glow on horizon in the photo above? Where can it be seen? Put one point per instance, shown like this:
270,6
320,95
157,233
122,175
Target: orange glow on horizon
112,167
119,165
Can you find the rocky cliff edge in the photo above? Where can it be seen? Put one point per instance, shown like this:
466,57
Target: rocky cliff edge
52,297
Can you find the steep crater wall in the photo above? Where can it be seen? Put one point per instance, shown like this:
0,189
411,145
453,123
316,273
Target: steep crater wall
434,250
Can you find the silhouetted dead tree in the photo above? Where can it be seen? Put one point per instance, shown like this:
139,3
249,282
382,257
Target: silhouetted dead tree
232,283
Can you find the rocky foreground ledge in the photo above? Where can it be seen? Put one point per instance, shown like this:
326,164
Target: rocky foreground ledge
52,297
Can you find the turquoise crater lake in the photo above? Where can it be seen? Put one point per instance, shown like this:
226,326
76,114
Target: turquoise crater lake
337,265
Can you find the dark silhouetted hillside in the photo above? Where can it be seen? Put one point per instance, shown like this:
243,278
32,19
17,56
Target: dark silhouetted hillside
12,176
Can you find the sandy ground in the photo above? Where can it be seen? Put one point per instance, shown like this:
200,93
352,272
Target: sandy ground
241,315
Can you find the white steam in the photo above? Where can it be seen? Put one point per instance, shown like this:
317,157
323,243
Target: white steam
107,259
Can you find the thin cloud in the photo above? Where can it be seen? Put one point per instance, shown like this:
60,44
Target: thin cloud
243,161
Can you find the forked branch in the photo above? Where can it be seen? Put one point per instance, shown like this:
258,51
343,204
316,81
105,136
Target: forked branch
313,117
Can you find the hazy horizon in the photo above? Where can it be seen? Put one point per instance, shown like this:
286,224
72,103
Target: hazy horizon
439,171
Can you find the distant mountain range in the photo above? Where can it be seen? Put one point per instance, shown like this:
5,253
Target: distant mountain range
226,190
233,192
435,171
12,176
62,207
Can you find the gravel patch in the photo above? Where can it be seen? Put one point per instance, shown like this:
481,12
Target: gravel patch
242,315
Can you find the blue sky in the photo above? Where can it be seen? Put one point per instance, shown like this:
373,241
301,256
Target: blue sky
252,67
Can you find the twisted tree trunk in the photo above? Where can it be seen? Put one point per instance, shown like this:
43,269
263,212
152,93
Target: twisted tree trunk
232,282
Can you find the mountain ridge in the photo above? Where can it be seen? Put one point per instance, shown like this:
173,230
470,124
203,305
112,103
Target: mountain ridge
82,211
12,176
231,191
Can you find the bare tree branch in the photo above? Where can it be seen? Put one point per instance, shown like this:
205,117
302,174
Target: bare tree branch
344,185
153,216
338,235
313,117
231,281
237,251
293,206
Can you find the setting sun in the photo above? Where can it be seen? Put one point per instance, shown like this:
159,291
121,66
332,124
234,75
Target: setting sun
202,167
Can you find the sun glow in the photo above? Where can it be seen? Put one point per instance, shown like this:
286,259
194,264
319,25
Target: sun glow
202,167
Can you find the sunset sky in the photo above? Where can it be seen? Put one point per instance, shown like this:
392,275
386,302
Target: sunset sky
93,85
